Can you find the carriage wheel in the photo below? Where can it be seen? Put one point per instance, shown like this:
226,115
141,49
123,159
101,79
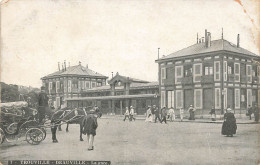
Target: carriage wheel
44,133
26,126
2,136
34,136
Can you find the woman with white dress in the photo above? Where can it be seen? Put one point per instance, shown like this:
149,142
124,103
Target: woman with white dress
149,116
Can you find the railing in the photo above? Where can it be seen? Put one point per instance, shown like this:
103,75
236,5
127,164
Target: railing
207,79
187,80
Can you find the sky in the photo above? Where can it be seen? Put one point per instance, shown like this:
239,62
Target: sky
113,35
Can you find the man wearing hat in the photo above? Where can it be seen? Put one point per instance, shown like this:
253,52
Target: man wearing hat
43,104
256,113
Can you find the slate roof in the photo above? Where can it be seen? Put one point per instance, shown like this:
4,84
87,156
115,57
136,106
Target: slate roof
78,70
216,45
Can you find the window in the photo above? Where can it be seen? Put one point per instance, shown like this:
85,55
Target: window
237,98
162,99
208,70
217,98
69,85
93,84
198,98
170,99
163,73
178,74
225,98
65,86
57,86
237,72
217,70
197,72
99,84
179,99
187,70
87,85
249,73
50,87
225,71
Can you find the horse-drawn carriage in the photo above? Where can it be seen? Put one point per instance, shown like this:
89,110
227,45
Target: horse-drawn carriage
18,121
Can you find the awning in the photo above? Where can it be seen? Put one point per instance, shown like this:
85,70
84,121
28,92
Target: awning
113,97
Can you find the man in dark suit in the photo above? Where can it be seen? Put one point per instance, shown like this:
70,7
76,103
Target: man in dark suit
43,104
157,115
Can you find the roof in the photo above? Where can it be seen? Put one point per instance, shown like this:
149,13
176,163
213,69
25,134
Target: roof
112,97
216,45
78,70
118,77
132,86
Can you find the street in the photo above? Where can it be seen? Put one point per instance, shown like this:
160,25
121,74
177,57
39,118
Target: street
145,143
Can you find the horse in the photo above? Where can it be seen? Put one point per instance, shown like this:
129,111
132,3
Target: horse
74,116
99,114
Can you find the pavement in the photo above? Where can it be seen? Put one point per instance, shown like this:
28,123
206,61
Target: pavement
139,142
240,119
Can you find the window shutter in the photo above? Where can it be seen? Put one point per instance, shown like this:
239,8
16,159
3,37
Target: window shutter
69,85
249,97
65,85
179,99
225,71
162,99
217,98
198,98
249,73
217,70
178,74
169,99
237,72
237,98
197,68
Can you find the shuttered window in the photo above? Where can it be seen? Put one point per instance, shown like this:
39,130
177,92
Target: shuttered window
225,71
50,87
198,98
249,97
179,99
217,70
162,99
197,72
170,99
69,85
237,72
178,74
217,98
249,73
163,74
65,85
87,84
57,86
237,98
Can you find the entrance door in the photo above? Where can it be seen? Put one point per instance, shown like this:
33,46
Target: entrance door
230,98
208,98
118,107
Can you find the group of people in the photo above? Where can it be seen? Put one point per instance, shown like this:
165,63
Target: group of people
253,110
129,114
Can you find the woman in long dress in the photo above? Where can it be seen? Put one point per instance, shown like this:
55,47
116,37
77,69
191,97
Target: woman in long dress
229,126
149,116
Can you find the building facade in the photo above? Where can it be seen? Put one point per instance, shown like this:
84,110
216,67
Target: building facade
121,92
69,82
210,73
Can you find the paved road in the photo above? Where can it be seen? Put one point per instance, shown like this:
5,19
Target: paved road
147,143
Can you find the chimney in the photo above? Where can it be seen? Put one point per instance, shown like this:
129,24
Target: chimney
59,66
197,38
238,40
206,38
209,39
65,65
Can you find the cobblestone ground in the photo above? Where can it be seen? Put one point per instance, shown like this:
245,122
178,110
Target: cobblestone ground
146,143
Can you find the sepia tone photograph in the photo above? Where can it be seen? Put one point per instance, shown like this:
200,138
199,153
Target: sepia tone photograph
160,82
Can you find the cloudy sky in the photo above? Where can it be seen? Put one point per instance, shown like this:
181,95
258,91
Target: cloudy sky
113,35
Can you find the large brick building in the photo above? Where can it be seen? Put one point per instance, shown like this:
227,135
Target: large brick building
210,73
70,81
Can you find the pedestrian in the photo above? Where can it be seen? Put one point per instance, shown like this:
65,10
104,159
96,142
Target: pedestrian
149,116
43,104
171,114
164,114
213,114
132,112
152,111
249,111
256,113
126,114
89,127
192,112
157,114
229,126
181,113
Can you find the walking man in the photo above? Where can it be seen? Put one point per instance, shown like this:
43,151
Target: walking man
132,112
43,104
256,113
157,116
152,111
126,113
164,114
250,111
